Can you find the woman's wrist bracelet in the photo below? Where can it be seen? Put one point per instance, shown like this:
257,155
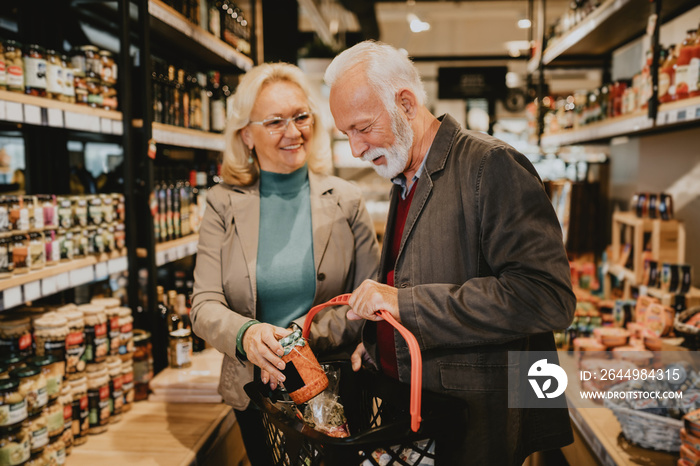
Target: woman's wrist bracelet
241,332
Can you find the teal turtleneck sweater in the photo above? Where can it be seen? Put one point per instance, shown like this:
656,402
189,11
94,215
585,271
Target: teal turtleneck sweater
286,275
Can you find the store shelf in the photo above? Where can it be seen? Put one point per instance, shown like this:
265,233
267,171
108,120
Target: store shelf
171,251
185,137
670,116
27,109
611,25
54,278
185,35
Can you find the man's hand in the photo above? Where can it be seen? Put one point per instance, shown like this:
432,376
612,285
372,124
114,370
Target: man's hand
359,356
371,297
262,349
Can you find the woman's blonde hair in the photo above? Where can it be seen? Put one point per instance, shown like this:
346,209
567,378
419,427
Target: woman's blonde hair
236,168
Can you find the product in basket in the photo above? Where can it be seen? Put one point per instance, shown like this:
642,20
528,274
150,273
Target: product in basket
304,376
611,336
410,455
324,412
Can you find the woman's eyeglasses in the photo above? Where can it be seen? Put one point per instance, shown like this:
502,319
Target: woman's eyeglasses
278,125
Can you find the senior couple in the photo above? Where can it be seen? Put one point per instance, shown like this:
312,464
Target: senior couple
472,262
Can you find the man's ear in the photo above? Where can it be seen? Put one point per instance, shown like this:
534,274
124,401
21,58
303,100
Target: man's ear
406,100
247,137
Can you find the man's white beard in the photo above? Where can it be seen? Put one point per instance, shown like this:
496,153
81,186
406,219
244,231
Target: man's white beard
397,154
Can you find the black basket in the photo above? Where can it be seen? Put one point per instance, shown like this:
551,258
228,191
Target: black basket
377,410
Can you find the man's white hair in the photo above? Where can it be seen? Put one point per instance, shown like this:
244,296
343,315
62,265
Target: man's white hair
387,69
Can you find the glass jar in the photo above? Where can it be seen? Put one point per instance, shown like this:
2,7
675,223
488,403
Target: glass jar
80,243
90,233
49,210
96,345
113,330
56,451
13,406
54,418
81,421
65,212
143,364
80,87
119,236
32,384
15,66
35,70
13,211
109,96
37,250
38,432
180,348
107,208
66,247
95,211
80,211
75,342
52,248
13,361
66,400
4,215
92,61
40,458
128,384
15,336
36,210
116,393
3,68
94,92
68,80
21,213
126,331
54,75
20,254
52,370
15,444
108,239
108,67
6,264
50,332
119,207
98,397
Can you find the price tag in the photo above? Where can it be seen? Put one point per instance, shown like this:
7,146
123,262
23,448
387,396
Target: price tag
161,258
62,281
101,271
12,297
697,113
681,115
55,117
117,127
182,251
48,286
82,122
32,291
81,276
106,125
3,110
192,248
32,114
117,265
14,112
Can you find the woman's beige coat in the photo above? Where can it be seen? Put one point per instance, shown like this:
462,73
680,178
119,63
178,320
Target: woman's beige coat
225,297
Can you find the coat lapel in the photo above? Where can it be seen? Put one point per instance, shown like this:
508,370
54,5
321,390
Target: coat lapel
245,205
323,214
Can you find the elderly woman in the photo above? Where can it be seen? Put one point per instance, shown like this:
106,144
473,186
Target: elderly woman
278,237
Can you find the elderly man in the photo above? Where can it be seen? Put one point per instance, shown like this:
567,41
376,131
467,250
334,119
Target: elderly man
473,262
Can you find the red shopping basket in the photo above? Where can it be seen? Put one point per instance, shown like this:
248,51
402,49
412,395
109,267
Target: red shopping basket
381,414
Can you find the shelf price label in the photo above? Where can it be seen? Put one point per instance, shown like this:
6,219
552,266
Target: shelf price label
14,112
81,276
32,114
32,291
55,117
101,271
62,281
48,286
12,297
3,110
106,125
117,265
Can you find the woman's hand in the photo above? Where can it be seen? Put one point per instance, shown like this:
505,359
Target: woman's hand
263,349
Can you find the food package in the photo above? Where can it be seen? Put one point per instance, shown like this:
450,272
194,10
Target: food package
304,377
407,455
611,336
324,412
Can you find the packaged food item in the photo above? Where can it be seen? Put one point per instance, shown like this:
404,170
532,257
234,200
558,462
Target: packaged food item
142,365
20,253
611,336
54,418
14,444
15,336
66,400
68,80
180,348
3,67
38,432
6,264
128,384
32,384
96,344
116,393
126,335
35,70
52,248
80,88
81,421
53,370
54,75
15,66
56,451
13,407
305,376
75,341
108,67
98,397
80,211
40,458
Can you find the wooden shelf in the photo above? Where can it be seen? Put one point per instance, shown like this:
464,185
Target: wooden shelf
611,25
184,35
32,110
171,251
671,116
51,279
185,137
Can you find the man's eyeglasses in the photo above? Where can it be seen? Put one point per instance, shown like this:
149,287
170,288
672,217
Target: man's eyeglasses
278,125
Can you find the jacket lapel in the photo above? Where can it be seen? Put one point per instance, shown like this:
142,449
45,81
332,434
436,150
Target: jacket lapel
323,212
245,205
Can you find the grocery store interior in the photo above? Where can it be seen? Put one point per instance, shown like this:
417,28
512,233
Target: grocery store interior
111,132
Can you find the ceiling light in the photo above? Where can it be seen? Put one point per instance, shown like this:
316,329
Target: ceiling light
524,23
416,24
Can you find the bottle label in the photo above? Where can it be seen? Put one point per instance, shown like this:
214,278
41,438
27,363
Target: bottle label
693,74
218,115
12,414
15,77
35,72
54,78
40,438
682,79
184,352
15,453
54,422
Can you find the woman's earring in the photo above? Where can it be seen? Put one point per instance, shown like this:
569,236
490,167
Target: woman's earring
250,156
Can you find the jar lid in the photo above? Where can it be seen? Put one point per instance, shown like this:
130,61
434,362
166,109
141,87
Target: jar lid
9,384
112,312
41,361
67,307
95,367
26,371
92,48
14,321
106,53
181,333
124,312
91,309
50,320
141,336
13,358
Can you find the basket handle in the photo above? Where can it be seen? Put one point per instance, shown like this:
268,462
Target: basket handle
414,349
